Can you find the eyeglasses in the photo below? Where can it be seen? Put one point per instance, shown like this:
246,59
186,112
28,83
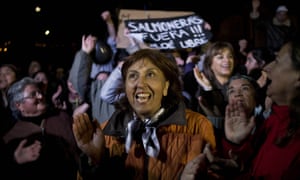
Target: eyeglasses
33,94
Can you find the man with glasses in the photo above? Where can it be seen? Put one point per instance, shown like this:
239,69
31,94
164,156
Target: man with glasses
35,121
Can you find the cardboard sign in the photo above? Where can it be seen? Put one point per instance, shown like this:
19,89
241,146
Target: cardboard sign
128,14
170,33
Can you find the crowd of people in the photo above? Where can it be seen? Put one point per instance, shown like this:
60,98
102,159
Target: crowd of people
211,112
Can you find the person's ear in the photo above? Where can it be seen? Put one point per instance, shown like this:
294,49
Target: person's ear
18,105
165,91
297,84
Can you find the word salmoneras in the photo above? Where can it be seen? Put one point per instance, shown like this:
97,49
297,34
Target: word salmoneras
170,33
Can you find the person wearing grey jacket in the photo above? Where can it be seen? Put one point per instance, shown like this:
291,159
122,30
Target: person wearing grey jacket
91,67
79,74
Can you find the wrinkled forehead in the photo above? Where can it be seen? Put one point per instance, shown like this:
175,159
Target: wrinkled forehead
141,63
239,81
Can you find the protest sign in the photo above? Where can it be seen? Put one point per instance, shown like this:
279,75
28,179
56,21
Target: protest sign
127,14
169,33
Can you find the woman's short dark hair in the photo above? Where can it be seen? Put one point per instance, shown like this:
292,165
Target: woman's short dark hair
252,81
167,66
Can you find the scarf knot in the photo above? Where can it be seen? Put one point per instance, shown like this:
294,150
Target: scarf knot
144,132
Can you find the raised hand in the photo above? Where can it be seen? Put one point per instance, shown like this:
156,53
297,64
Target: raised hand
89,136
220,164
81,109
237,126
106,16
56,101
202,80
196,168
193,59
88,43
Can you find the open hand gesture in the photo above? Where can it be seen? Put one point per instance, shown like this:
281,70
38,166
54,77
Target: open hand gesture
24,154
237,126
202,79
89,136
220,164
196,168
88,43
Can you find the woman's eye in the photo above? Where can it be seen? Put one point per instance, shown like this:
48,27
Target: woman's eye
219,56
132,76
150,74
245,88
229,92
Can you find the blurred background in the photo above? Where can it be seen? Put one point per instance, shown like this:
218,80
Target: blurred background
50,30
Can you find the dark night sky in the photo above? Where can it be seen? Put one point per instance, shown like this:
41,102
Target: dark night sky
68,20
